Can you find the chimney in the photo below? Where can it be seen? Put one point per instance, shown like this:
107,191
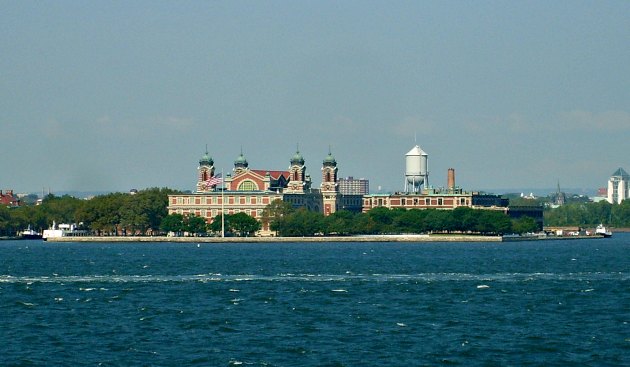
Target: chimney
450,181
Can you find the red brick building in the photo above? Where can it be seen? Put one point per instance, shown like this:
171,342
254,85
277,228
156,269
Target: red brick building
8,199
249,191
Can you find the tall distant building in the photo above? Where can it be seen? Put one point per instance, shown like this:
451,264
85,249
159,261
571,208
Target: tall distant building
559,198
618,188
354,186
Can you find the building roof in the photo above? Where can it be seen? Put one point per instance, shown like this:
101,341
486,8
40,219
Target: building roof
620,172
8,198
206,159
297,158
416,151
330,159
273,174
240,160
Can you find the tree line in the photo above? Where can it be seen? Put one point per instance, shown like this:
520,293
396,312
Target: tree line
290,222
589,214
115,213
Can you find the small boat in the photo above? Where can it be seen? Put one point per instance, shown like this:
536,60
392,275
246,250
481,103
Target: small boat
63,230
29,234
603,231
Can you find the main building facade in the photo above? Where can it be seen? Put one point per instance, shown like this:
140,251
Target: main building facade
249,191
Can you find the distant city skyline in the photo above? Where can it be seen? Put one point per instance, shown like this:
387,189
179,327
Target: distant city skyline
102,96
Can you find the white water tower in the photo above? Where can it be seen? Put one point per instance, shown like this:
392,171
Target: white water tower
416,170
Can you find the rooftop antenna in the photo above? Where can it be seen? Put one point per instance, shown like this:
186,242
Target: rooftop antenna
206,148
415,139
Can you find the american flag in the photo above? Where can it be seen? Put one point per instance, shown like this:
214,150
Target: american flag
213,181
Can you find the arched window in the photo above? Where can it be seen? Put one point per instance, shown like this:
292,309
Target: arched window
204,176
327,176
247,186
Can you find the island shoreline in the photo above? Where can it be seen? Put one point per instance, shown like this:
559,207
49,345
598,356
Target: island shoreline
374,238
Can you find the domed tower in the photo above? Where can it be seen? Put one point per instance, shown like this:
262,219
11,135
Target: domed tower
329,187
205,172
299,181
240,164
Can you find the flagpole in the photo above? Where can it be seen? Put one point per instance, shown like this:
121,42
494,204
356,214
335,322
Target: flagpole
222,207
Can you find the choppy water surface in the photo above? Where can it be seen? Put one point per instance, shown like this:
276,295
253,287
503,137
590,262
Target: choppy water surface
552,303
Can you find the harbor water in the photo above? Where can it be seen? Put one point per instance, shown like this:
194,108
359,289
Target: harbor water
551,303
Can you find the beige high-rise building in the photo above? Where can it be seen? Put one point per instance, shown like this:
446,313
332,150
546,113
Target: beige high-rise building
618,188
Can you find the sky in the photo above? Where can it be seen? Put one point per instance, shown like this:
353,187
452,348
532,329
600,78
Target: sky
115,95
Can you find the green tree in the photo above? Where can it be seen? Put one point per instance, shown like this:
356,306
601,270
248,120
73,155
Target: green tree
411,221
384,218
364,224
102,213
243,224
216,225
274,215
301,223
524,225
621,214
61,209
5,221
435,220
194,224
173,223
493,222
340,223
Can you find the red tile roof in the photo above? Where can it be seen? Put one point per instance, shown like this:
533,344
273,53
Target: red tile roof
274,174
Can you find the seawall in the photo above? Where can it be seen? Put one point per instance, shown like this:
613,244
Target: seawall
376,238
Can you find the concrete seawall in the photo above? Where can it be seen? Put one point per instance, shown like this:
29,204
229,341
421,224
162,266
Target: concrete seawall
377,238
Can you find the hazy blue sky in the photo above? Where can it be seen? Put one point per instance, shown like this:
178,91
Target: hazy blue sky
114,95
